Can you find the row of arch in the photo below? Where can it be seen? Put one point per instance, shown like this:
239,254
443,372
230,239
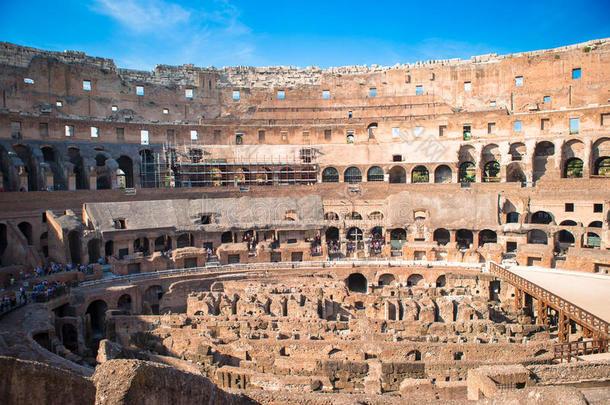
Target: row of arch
357,282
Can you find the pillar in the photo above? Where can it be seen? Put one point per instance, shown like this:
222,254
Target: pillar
563,331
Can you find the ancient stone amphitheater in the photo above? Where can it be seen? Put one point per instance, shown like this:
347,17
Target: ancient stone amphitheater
436,232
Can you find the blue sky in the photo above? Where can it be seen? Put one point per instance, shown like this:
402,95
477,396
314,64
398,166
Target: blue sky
139,34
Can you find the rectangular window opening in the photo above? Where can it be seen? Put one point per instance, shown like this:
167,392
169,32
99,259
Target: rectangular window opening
69,130
546,99
170,135
574,126
467,86
441,130
605,119
87,85
396,158
544,124
519,81
44,129
325,94
576,73
372,92
395,133
419,90
467,132
194,135
236,95
598,208
491,126
114,108
569,207
261,136
95,132
144,137
327,134
120,134
239,138
140,90
281,94
517,126
166,111
16,130
188,93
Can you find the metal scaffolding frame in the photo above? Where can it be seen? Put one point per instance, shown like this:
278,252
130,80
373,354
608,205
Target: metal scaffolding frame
188,165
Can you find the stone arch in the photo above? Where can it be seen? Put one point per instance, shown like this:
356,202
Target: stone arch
80,176
330,175
152,297
565,237
109,248
592,240
29,164
332,234
3,240
464,238
398,174
515,173
441,236
541,217
491,172
441,281
595,224
184,240
74,244
398,236
356,282
353,215
568,222
6,169
355,234
573,168
97,313
26,230
352,175
420,174
467,153
331,216
124,303
512,218
542,158
375,173
141,245
163,242
386,279
537,237
443,174
516,151
602,166
413,355
93,248
415,280
467,173
375,216
50,156
126,166
487,236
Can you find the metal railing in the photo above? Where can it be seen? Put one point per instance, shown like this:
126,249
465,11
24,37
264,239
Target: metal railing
574,312
310,265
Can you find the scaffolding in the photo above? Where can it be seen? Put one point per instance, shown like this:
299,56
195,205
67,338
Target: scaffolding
189,165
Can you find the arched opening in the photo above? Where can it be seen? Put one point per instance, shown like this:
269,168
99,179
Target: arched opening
354,237
353,216
420,174
595,224
141,245
375,173
356,282
370,129
49,156
386,279
184,240
517,151
163,242
568,222
26,230
287,175
352,175
69,337
124,303
541,217
332,234
109,248
512,218
330,175
592,240
491,172
126,166
441,281
414,355
487,236
74,246
467,173
375,216
537,237
97,313
441,236
152,297
442,174
398,174
542,154
93,248
602,167
29,162
565,237
331,216
573,168
464,238
398,236
226,237
515,174
79,168
415,280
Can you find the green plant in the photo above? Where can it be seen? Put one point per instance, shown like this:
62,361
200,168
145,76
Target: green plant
586,49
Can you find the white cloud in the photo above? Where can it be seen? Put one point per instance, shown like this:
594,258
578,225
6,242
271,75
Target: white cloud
142,15
208,35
